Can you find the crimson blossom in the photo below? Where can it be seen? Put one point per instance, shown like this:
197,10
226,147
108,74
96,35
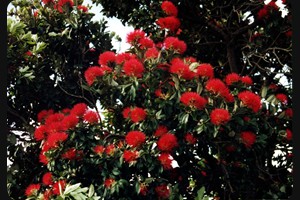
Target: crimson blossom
47,178
250,100
248,138
219,116
165,160
32,189
134,68
135,138
169,8
193,100
167,142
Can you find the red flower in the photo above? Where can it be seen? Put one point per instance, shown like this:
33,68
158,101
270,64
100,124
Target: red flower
289,112
47,194
143,189
79,109
134,37
32,190
43,158
55,127
55,117
193,100
247,80
109,182
173,43
250,100
70,154
248,138
93,72
190,138
47,1
42,115
28,53
289,134
205,70
263,12
133,67
40,133
55,138
162,191
122,57
288,33
282,98
47,178
99,149
130,156
110,149
172,23
91,116
232,78
135,138
217,87
135,114
83,8
61,3
181,69
169,8
106,58
219,116
59,186
151,53
146,43
70,121
167,142
161,130
165,160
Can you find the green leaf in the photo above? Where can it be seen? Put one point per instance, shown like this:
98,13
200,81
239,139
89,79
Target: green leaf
71,188
264,91
91,191
200,193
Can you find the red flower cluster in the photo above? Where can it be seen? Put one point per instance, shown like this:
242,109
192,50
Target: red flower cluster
190,138
135,138
91,117
133,67
172,23
248,138
250,100
167,142
161,130
109,182
134,37
99,149
205,70
173,43
72,154
165,160
169,8
92,73
47,178
107,58
247,80
82,8
182,69
219,116
289,134
123,57
282,98
135,114
218,87
61,3
130,156
232,78
152,53
32,190
193,100
59,187
162,191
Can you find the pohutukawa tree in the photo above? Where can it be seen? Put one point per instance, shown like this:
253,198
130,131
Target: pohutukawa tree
170,127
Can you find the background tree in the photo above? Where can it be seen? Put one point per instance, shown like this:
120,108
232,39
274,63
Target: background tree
163,105
50,44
